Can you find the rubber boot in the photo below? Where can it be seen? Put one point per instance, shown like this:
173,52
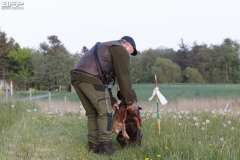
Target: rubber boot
107,147
95,148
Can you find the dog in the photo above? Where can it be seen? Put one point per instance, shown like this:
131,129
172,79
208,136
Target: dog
129,122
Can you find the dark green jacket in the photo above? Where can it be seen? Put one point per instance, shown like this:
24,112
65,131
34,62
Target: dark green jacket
115,60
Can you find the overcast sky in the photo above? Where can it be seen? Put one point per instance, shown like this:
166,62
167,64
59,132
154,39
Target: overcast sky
152,23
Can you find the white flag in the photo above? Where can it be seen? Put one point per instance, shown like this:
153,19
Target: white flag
161,98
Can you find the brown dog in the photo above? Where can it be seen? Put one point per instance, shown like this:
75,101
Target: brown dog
129,122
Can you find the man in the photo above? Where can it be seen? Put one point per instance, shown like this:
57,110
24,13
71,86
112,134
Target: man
114,59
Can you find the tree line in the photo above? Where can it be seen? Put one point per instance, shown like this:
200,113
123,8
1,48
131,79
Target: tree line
49,66
199,63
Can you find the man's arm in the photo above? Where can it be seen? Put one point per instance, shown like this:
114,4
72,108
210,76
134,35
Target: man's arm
121,63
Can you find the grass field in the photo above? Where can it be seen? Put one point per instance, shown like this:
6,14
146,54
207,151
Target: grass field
199,122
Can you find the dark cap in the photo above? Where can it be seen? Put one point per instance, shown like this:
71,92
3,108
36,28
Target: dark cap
131,41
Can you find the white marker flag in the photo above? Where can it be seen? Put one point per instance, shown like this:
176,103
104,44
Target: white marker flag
160,96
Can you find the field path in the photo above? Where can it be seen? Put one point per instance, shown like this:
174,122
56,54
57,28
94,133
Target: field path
37,97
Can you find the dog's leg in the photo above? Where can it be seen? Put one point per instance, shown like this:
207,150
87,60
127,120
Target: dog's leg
126,142
138,138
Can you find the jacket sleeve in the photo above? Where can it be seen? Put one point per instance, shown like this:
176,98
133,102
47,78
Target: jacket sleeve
121,63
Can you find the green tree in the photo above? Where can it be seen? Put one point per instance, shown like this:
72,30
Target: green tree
229,50
167,71
136,68
20,68
53,47
181,56
6,45
51,72
193,76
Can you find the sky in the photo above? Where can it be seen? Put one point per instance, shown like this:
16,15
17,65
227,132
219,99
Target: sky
151,23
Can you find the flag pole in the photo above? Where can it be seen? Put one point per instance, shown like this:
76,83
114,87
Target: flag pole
158,113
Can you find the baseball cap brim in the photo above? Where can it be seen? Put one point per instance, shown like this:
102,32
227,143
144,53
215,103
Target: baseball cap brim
135,52
132,42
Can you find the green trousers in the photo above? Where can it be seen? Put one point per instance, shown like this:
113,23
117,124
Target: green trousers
93,100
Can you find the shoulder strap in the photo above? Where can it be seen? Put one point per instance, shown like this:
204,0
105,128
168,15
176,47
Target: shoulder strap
104,79
103,76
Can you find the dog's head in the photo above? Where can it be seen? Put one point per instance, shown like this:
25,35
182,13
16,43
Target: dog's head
120,97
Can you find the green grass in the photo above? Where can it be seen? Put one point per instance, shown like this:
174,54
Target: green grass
39,135
172,92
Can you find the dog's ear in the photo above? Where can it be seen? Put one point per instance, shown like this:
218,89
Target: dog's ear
119,95
139,107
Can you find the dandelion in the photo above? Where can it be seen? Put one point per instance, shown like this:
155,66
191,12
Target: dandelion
34,110
146,158
221,139
166,148
203,123
174,116
203,128
187,112
229,122
180,116
232,128
50,113
29,111
214,111
159,155
196,124
224,125
195,118
207,121
33,117
12,106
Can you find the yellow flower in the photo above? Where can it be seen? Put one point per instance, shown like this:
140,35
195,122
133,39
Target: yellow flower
146,158
33,117
159,155
167,148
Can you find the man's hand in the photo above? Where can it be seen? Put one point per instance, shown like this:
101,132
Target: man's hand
115,106
131,107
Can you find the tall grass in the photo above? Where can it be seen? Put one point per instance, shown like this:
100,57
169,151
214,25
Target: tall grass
28,132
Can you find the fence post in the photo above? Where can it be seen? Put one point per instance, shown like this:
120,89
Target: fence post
11,87
30,93
6,94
